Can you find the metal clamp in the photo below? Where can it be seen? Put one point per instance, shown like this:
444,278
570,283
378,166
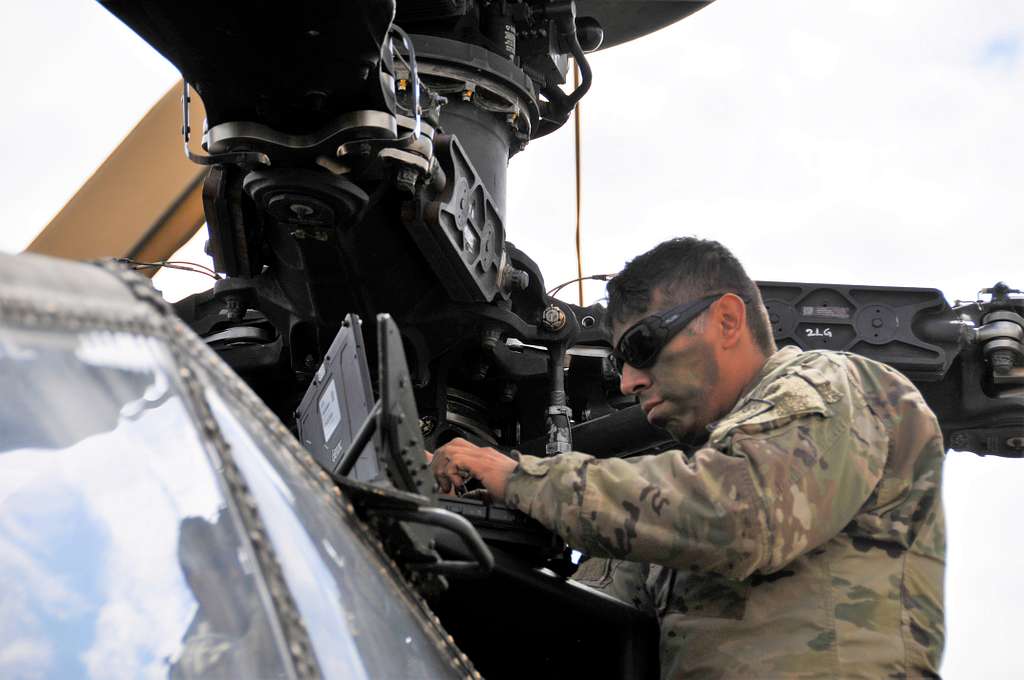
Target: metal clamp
235,157
1002,340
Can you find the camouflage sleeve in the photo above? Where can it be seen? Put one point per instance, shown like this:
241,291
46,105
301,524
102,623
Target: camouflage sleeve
783,485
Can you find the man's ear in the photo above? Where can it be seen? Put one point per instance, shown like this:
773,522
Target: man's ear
729,316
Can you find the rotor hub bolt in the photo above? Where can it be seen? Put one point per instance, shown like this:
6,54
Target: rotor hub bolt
491,338
406,179
876,323
301,211
427,425
508,392
553,318
516,279
234,310
1002,361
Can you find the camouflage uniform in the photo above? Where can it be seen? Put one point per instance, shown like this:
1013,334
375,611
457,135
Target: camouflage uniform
805,539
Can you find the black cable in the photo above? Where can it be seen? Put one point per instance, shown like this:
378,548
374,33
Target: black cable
182,265
592,277
560,104
585,73
190,264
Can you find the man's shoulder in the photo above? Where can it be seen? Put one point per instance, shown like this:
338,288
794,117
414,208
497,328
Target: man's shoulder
832,372
859,385
792,384
795,383
791,371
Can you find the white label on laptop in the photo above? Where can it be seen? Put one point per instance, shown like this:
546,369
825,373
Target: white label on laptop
330,414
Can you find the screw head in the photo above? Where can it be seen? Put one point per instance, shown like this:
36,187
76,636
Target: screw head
553,318
300,210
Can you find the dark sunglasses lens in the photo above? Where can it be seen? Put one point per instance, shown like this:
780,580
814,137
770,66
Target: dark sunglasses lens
640,346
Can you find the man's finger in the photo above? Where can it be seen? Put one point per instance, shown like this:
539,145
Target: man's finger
445,471
456,473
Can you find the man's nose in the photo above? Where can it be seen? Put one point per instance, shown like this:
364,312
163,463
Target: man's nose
633,380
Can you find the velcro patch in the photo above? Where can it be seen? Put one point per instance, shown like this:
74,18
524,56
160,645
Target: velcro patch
786,398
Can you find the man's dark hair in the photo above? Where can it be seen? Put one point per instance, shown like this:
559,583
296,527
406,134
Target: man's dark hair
686,269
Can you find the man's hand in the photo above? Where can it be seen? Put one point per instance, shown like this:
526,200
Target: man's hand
458,460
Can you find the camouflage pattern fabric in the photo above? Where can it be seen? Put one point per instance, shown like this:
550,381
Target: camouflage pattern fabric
806,539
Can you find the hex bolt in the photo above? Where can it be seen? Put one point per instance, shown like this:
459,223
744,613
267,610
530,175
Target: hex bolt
508,392
490,338
406,179
553,318
427,425
234,310
516,279
1002,361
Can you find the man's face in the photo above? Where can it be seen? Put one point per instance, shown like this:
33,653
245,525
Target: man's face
678,392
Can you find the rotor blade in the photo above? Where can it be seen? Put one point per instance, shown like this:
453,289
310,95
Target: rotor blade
144,201
625,20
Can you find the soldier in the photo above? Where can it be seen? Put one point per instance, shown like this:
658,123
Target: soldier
804,537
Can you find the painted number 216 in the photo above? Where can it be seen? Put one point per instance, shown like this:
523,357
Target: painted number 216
818,332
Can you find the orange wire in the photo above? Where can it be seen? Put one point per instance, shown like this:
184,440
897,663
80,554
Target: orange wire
579,188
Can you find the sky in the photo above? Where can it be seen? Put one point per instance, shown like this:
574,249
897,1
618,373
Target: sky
836,142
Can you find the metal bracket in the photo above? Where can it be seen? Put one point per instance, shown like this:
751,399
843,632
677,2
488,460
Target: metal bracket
414,75
483,561
235,157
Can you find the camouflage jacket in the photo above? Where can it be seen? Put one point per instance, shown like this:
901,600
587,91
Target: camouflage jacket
806,538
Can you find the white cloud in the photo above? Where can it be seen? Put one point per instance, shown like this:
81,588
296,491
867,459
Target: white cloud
118,497
26,658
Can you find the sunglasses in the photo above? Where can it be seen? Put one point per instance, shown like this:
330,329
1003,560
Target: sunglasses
640,345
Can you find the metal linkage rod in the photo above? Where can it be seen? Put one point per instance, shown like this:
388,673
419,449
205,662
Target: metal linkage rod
366,430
